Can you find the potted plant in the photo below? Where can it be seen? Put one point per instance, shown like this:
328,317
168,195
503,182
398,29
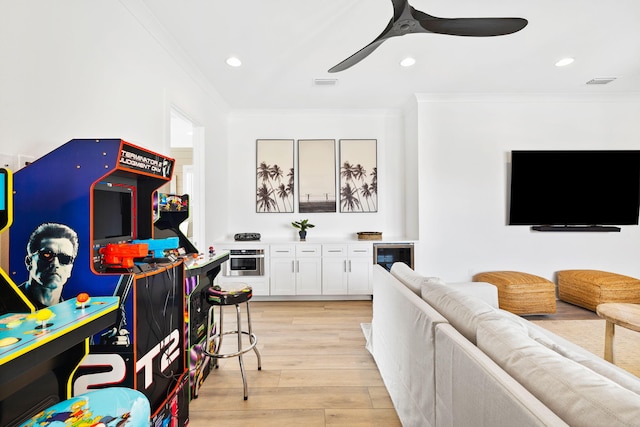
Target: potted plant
302,226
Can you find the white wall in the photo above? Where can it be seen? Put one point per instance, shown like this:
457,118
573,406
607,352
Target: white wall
79,69
464,146
246,127
83,69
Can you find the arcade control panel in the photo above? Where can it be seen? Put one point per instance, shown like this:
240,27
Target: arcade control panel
21,333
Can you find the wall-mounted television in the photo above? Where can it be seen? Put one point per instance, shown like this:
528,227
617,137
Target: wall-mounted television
574,190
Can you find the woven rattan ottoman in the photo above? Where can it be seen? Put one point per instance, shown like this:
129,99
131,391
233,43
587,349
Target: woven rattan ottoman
521,293
588,288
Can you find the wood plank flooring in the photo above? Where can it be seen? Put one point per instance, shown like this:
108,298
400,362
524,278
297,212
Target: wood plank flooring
565,311
315,371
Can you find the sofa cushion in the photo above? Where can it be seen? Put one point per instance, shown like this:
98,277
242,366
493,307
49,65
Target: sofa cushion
472,390
461,310
485,291
571,351
577,394
410,278
591,361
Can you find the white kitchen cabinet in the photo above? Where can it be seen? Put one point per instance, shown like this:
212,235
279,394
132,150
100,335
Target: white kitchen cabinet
299,269
334,270
296,269
347,269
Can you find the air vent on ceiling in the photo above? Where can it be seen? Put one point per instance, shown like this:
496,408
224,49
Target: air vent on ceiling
601,80
325,82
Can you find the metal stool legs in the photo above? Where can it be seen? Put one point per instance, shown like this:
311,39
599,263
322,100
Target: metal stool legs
251,334
216,339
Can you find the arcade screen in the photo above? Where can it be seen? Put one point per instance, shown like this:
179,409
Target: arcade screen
113,212
173,202
4,202
4,216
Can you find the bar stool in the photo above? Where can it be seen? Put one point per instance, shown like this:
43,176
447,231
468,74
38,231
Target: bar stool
226,295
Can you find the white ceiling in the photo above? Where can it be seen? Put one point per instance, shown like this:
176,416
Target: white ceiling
286,44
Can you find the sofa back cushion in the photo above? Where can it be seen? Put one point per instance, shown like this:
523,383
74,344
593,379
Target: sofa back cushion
463,311
578,395
472,390
410,278
572,351
586,359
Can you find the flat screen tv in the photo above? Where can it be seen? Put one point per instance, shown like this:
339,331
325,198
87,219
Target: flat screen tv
574,188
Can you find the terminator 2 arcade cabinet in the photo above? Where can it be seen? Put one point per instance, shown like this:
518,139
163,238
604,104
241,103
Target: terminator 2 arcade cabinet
102,189
40,350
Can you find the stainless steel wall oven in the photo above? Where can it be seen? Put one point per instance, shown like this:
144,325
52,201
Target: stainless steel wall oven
244,262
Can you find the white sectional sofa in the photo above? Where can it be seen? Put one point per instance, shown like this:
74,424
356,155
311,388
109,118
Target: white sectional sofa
450,358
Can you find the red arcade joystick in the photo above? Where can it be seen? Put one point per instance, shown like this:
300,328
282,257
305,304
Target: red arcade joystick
82,300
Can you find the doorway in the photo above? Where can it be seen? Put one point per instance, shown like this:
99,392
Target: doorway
186,144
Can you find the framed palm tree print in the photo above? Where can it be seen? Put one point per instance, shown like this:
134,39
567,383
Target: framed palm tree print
274,175
317,175
358,175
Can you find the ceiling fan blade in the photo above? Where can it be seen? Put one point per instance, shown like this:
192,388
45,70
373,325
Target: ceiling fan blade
474,27
364,52
400,24
407,20
356,57
399,6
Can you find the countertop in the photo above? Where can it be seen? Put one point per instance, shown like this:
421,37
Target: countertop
268,240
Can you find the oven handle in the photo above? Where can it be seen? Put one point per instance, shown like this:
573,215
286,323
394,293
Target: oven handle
246,256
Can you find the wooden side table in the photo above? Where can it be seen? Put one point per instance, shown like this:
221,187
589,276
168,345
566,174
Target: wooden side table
623,314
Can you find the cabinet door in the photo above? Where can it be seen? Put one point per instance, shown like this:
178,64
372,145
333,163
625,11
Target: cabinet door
360,270
309,276
334,276
283,276
334,269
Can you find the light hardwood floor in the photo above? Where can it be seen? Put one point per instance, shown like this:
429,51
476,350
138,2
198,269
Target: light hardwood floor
315,371
565,311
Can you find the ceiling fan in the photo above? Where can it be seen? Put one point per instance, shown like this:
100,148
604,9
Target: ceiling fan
407,20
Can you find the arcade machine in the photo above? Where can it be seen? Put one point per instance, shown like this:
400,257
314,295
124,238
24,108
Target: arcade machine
100,192
40,349
172,210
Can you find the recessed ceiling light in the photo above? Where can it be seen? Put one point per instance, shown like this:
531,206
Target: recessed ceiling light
564,62
408,62
233,61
